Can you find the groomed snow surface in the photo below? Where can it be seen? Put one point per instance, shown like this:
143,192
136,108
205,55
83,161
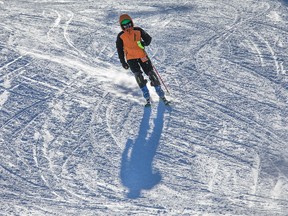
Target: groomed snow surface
75,138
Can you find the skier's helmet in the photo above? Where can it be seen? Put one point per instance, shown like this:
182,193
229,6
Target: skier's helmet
125,21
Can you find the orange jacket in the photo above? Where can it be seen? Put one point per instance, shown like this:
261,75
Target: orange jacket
126,42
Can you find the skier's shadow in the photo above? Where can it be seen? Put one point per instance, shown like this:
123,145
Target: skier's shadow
137,173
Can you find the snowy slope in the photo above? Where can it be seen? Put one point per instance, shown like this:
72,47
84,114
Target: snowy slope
75,138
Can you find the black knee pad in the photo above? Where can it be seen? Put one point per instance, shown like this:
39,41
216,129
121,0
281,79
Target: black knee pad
140,79
154,79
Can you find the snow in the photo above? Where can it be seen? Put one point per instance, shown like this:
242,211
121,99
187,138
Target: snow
76,139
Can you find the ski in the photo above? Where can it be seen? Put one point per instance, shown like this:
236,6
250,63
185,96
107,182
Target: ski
148,102
165,101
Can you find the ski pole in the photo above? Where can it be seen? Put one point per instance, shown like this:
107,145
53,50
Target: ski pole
161,79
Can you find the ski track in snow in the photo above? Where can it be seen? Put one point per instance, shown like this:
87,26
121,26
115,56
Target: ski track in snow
76,140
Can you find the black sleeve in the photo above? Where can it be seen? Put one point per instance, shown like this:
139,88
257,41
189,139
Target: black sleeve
145,36
120,49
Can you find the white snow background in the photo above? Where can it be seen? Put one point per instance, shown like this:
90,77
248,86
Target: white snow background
75,138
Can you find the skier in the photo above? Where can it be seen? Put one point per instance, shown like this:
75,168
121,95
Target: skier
130,43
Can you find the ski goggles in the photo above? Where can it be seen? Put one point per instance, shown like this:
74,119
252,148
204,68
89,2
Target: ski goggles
127,25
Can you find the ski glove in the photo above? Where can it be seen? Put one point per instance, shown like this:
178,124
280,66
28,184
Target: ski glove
141,44
125,65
